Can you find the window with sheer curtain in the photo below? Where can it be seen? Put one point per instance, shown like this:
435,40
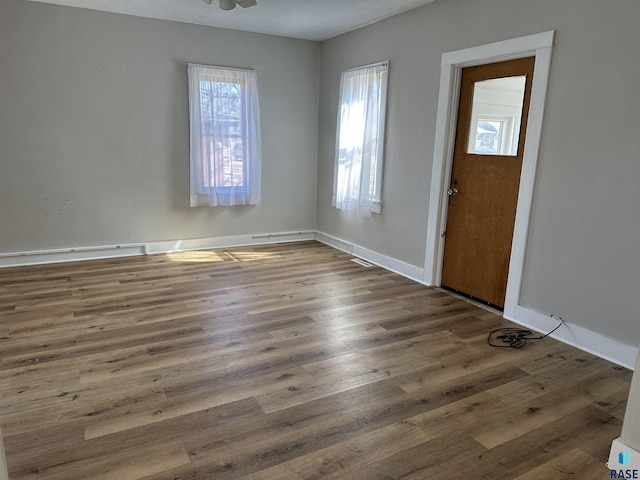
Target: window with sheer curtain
360,139
224,136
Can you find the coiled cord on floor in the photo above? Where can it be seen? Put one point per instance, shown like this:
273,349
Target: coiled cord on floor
516,337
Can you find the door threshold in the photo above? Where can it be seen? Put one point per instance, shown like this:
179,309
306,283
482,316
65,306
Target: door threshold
472,300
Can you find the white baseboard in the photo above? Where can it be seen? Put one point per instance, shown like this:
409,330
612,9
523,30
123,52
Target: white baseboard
334,242
228,242
579,337
389,263
41,257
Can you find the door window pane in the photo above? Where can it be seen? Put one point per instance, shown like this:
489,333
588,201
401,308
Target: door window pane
496,116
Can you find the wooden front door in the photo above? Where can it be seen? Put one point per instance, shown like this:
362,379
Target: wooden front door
483,194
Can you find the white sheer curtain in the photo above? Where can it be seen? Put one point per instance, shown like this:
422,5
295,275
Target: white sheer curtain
360,139
225,143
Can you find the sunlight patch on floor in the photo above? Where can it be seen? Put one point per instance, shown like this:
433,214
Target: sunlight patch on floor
199,256
211,256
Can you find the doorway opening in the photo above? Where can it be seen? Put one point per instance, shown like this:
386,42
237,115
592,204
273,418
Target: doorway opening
540,47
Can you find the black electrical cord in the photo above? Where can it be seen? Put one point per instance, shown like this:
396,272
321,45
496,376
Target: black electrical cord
516,337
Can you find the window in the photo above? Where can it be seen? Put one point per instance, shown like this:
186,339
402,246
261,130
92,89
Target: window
496,114
360,139
225,136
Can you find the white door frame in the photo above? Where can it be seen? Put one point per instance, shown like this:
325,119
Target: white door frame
540,45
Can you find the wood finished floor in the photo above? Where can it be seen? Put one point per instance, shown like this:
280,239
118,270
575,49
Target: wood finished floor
283,362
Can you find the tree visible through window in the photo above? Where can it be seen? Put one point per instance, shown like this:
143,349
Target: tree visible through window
222,136
225,136
360,139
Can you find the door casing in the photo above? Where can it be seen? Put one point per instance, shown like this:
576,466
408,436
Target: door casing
539,45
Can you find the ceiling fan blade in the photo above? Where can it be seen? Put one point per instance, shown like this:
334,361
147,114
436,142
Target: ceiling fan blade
227,4
246,3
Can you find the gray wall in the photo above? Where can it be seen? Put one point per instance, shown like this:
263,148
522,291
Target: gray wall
582,261
94,128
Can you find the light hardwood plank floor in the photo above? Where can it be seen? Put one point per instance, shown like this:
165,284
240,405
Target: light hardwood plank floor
283,362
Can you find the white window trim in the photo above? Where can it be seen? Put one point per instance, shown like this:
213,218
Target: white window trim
540,45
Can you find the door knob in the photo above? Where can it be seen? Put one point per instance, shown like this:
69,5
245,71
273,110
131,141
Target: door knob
452,192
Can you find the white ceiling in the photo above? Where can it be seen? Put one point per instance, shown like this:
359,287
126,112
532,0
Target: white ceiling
306,19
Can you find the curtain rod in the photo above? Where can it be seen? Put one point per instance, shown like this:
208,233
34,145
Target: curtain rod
226,68
384,63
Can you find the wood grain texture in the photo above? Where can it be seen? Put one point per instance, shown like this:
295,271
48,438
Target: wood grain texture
481,217
283,362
